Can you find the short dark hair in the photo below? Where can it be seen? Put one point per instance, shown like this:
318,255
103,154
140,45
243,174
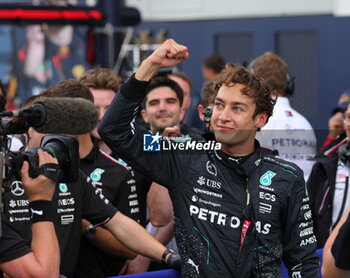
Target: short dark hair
101,78
255,87
214,62
164,82
68,88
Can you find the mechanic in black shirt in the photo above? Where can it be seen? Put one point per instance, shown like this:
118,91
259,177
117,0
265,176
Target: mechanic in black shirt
39,257
77,201
104,84
100,253
238,212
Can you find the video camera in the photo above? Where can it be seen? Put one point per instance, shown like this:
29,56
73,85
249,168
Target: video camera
48,115
64,148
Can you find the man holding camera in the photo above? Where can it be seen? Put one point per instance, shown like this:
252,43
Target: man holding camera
39,257
237,211
77,200
101,254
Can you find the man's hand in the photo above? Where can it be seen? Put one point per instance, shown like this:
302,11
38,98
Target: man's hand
173,131
138,265
174,261
169,54
40,188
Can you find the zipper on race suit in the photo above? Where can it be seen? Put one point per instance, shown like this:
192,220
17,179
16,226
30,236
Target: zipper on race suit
245,227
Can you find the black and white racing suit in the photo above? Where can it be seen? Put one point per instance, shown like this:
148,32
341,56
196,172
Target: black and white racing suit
232,218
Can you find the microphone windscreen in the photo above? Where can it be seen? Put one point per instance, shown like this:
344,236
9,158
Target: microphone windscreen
65,115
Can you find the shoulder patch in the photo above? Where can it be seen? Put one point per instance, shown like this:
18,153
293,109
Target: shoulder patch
283,164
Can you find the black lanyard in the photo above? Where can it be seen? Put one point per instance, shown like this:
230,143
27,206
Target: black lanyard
344,201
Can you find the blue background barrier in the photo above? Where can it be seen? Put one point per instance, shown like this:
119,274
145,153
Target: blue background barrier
319,253
171,273
323,40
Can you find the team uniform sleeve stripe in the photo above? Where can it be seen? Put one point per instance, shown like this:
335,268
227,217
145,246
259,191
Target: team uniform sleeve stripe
336,147
113,159
102,223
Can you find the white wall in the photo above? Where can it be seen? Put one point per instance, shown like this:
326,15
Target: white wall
342,7
175,10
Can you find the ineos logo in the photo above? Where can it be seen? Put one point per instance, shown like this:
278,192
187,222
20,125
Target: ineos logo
267,196
17,188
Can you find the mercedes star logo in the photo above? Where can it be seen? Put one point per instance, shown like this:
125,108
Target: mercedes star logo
17,188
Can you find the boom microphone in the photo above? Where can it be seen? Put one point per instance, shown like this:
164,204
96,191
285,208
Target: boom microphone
52,115
34,115
65,115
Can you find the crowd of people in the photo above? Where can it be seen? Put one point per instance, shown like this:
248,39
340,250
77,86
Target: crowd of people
235,199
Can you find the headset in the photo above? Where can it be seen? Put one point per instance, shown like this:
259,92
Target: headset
290,79
207,112
290,85
344,153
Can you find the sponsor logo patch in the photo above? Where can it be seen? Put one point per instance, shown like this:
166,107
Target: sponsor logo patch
266,179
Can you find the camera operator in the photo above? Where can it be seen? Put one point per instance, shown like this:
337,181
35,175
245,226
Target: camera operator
40,257
101,254
76,201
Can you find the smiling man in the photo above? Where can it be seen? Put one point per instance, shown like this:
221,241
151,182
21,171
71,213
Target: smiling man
162,104
238,212
235,119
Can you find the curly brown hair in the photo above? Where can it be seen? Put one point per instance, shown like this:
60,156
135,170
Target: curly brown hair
100,78
255,87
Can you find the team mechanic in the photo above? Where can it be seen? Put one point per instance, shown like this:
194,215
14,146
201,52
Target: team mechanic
237,212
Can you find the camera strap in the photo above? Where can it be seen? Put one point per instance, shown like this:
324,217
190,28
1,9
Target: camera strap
51,171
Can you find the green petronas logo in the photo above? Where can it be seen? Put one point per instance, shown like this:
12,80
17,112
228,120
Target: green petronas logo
266,178
96,174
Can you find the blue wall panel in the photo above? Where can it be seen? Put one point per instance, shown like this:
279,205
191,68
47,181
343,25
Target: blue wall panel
333,50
